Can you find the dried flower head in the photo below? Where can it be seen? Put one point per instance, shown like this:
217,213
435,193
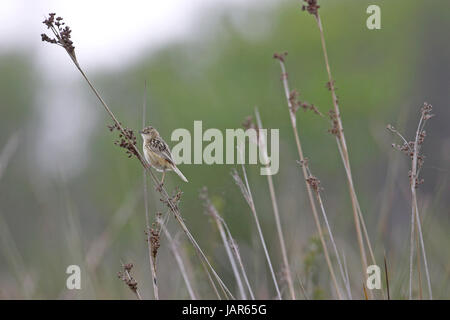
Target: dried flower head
334,130
314,183
172,202
128,266
125,276
127,141
280,56
426,111
412,148
61,32
154,235
295,104
311,6
303,163
418,181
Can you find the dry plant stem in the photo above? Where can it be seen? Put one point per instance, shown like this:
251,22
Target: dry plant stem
411,254
387,278
147,219
224,288
347,285
211,281
411,241
277,216
236,253
419,274
415,217
280,236
302,288
173,208
258,226
363,224
136,291
345,157
414,207
241,265
346,275
230,257
229,243
179,260
366,234
305,175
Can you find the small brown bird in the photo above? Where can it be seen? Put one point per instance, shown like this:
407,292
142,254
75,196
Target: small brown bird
157,153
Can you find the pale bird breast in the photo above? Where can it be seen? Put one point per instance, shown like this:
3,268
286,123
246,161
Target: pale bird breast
156,160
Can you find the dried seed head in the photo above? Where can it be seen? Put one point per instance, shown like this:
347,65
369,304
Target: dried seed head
127,278
310,6
303,163
426,111
421,137
314,183
330,85
154,236
334,130
61,32
280,56
173,201
127,142
412,148
295,104
417,181
128,266
391,128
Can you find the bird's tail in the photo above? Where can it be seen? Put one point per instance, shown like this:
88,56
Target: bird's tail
178,172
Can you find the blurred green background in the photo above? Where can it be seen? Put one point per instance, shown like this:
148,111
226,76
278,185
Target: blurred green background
62,192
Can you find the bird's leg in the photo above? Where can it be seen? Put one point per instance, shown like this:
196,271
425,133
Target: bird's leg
163,175
161,184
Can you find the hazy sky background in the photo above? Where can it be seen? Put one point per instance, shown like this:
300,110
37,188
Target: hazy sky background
107,33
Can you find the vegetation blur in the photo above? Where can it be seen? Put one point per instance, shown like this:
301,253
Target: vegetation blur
77,199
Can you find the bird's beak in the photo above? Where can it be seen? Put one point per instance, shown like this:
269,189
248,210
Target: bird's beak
141,132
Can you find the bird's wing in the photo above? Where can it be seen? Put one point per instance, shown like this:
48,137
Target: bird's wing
161,148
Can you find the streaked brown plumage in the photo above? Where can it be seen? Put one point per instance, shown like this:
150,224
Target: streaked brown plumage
157,153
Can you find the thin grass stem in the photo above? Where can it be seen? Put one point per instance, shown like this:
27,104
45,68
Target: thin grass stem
284,78
152,261
263,147
245,189
357,215
174,248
